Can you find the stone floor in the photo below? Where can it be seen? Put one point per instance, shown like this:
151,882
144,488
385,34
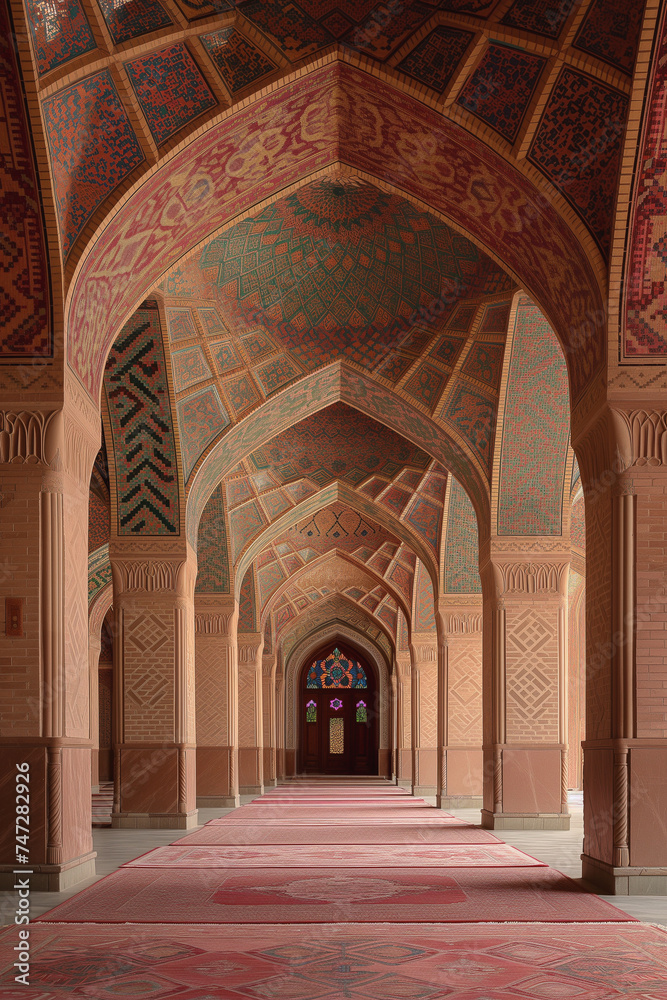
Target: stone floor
560,849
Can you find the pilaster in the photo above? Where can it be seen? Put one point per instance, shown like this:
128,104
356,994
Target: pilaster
270,751
424,704
251,751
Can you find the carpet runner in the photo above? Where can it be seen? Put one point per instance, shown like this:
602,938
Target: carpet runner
360,903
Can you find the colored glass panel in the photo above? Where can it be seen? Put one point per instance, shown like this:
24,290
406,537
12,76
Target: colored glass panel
311,712
336,735
362,712
336,671
336,704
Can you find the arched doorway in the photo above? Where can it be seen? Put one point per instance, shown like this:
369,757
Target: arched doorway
338,732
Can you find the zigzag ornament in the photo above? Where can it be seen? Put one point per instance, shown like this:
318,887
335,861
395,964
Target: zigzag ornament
135,384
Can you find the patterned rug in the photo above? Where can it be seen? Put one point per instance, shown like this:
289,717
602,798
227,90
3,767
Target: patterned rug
371,962
334,895
352,856
340,817
278,833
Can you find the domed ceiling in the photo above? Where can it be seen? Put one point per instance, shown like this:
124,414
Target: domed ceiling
342,269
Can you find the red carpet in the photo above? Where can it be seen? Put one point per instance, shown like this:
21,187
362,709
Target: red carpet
352,856
237,833
380,962
292,895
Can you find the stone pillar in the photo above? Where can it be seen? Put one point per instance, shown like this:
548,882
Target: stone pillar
94,650
404,721
525,686
154,739
46,457
216,701
251,756
625,751
269,719
424,655
460,694
281,732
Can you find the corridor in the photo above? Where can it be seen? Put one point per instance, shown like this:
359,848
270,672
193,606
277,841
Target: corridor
332,888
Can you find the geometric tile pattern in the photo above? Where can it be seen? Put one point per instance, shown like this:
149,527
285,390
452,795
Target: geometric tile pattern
247,604
485,362
242,393
170,89
500,89
535,430
181,325
424,616
460,571
464,689
148,662
425,517
610,31
238,61
189,367
201,417
128,19
25,329
340,269
532,674
543,17
426,385
60,32
93,148
474,415
434,60
583,114
212,555
645,301
141,426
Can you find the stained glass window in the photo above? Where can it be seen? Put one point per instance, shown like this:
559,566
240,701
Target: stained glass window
336,671
336,735
362,713
311,712
336,704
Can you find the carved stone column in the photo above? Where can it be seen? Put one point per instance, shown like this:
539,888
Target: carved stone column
281,764
460,693
46,457
269,719
251,754
154,655
525,686
216,685
623,457
94,650
424,655
404,721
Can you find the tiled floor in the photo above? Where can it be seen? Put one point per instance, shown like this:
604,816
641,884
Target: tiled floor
560,849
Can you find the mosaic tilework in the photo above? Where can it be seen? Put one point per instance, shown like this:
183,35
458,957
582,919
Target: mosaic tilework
242,393
211,322
244,523
645,300
189,367
247,603
212,554
478,8
238,490
395,368
436,57
93,148
257,344
535,431
577,146
475,417
382,30
485,363
424,617
500,89
131,18
201,417
170,89
99,524
396,499
269,579
544,17
25,330
578,525
238,61
460,572
225,357
610,31
99,571
425,517
277,373
447,350
60,31
135,383
194,9
343,269
426,385
180,324
275,504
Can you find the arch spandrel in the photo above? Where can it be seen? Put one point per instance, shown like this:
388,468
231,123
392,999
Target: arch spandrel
146,234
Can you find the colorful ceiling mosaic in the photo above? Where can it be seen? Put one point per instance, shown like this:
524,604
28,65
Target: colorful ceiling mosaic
213,574
60,31
342,269
501,88
535,430
460,569
25,330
